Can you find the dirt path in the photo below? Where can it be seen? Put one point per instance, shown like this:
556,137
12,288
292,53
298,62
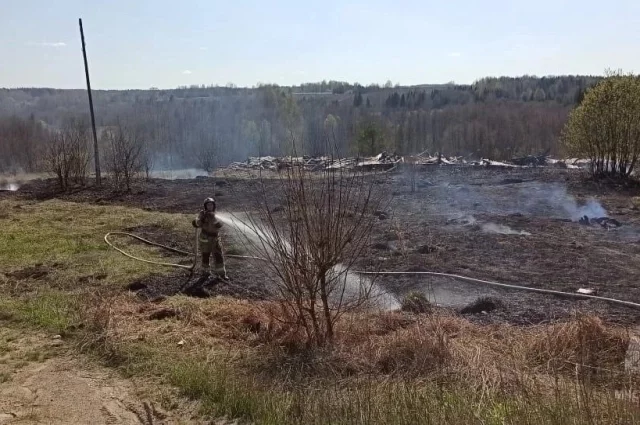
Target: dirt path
40,383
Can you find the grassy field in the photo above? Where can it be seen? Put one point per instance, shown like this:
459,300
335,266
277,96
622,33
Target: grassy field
58,275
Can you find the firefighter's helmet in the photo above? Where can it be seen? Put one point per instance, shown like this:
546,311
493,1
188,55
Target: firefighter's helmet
209,201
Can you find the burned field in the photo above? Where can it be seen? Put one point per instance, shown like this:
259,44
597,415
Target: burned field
522,226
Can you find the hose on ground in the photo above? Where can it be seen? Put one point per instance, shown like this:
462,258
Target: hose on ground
165,247
509,286
391,273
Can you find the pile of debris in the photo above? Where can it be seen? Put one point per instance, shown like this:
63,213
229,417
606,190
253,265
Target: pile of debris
425,158
382,161
385,161
605,222
267,163
532,160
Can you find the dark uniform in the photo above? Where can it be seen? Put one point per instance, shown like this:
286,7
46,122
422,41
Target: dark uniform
209,239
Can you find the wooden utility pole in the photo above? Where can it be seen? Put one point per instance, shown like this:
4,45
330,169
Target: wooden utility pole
96,152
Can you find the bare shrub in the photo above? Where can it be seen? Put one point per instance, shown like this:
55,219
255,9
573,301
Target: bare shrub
67,155
147,162
206,157
125,159
326,224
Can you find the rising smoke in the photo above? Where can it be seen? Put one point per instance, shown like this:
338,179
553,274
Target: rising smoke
534,199
9,184
502,229
187,173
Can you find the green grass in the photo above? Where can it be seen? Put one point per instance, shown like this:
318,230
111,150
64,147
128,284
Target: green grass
53,311
72,235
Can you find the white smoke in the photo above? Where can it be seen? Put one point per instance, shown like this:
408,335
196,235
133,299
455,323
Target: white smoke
532,198
9,184
10,187
592,209
187,173
556,199
502,230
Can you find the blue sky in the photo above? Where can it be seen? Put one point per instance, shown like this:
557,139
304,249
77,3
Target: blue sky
162,43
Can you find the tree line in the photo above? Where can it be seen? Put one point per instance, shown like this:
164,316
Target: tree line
494,117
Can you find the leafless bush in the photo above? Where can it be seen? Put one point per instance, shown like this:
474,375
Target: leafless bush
67,155
313,243
206,157
125,159
147,162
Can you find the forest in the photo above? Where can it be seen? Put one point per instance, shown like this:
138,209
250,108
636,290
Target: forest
177,128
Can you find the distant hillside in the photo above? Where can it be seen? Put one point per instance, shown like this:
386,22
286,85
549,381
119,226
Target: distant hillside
495,117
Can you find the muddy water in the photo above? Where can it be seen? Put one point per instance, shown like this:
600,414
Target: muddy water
350,285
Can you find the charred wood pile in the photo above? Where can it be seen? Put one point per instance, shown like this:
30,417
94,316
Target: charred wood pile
605,222
385,162
531,160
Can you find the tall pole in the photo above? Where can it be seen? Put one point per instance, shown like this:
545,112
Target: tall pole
96,152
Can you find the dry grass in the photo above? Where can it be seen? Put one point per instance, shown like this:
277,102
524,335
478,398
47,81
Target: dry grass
390,367
397,343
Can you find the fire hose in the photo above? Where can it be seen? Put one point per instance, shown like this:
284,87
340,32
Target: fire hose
391,273
168,248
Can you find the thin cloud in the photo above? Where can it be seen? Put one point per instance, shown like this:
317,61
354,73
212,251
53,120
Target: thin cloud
203,48
186,72
47,44
455,54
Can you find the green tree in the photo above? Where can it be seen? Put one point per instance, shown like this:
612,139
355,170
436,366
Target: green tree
605,127
370,139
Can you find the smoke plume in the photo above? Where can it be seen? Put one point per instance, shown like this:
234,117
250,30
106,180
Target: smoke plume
502,230
534,199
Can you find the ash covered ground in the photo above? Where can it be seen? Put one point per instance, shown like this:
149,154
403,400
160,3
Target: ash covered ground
515,226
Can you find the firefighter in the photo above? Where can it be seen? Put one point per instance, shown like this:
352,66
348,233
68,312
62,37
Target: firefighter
209,240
